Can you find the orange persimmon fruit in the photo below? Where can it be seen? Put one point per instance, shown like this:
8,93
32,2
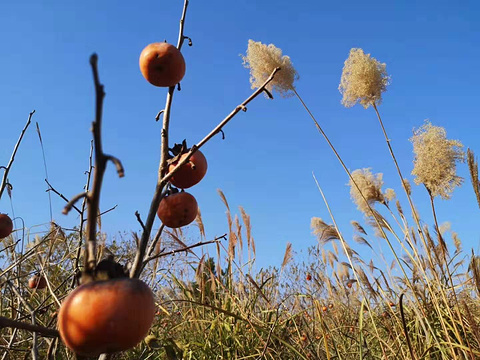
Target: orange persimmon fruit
162,64
178,209
106,316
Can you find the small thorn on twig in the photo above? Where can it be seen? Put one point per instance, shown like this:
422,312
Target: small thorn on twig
158,114
93,59
179,88
190,43
72,202
223,134
118,165
242,107
137,214
269,94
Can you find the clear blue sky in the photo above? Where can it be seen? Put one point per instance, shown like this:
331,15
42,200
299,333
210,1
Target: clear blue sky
265,164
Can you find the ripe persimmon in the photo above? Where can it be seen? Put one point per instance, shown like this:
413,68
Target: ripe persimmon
162,64
309,277
6,226
37,281
190,173
106,316
178,209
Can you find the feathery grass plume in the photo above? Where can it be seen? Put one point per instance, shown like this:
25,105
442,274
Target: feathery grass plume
323,231
435,160
399,208
370,186
335,248
389,194
201,227
332,258
363,80
379,222
238,227
473,168
324,256
343,270
356,225
474,269
287,257
407,186
232,244
361,240
444,227
457,242
248,227
262,59
364,280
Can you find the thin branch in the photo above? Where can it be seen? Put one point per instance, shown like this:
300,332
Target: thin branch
187,248
118,165
152,246
139,219
137,265
51,188
82,216
6,322
101,160
12,158
107,211
73,201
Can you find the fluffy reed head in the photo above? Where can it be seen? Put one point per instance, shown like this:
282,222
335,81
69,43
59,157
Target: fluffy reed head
323,231
370,185
363,79
435,160
262,59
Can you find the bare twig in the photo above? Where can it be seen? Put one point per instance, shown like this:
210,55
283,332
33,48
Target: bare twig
6,322
152,246
139,219
137,265
51,188
187,248
107,211
73,201
82,215
12,158
101,160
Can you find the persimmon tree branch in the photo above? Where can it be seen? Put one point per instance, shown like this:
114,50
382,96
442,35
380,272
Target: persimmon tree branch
12,158
137,265
51,188
6,322
187,248
101,159
82,215
165,177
